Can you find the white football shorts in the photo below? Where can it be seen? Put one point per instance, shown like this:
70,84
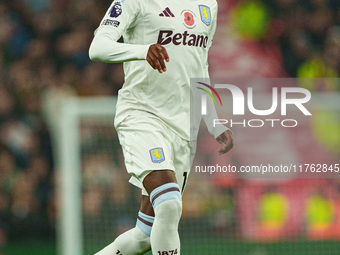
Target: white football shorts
149,144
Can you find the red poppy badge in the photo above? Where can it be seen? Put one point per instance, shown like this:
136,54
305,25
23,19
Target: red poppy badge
189,19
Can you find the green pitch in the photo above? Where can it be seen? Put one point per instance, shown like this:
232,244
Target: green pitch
201,247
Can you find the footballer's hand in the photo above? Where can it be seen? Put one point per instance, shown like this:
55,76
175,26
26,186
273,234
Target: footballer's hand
156,56
226,139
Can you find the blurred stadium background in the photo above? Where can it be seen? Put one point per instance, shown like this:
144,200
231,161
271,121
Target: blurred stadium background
44,58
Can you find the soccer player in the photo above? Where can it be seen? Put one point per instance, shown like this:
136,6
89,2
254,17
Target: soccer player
165,44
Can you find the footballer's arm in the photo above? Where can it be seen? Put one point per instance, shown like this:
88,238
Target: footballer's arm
105,48
115,23
222,134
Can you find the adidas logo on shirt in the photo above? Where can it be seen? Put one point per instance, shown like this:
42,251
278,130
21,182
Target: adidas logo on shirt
166,13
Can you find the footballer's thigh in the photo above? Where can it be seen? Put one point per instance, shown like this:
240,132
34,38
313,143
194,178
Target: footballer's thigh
150,149
183,153
147,147
152,181
158,178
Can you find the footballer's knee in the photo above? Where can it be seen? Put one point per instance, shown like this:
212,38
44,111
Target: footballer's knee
166,201
170,210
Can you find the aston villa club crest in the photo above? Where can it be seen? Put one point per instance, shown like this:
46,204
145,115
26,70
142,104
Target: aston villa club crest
189,19
157,155
205,14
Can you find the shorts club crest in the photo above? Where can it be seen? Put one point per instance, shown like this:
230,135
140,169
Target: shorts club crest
157,155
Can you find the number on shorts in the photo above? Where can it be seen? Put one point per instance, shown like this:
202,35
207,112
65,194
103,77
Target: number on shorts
185,175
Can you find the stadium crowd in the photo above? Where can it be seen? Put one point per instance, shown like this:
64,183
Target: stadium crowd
44,49
306,31
309,35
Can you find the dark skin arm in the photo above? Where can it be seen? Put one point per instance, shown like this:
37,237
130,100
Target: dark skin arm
156,56
226,139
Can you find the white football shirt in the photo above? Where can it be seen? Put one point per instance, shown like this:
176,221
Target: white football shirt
186,29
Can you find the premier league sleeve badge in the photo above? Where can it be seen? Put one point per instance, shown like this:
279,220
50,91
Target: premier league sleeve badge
116,9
